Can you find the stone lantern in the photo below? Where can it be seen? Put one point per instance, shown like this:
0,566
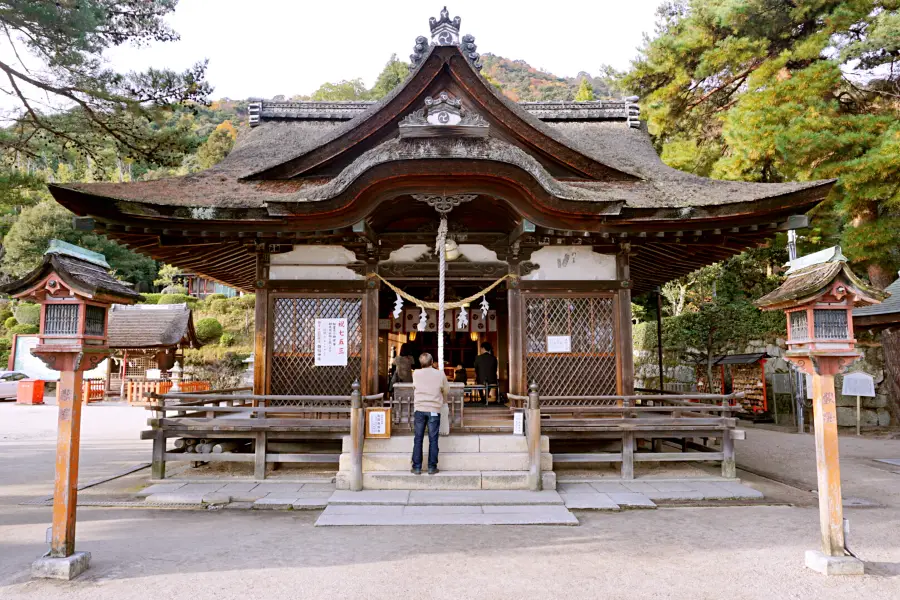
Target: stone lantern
75,291
818,297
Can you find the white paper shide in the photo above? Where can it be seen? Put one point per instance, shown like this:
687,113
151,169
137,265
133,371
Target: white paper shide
331,343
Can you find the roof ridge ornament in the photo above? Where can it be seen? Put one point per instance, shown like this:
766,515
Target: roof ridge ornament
443,115
445,32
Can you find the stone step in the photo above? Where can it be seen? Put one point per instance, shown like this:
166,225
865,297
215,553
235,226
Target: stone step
446,480
446,497
382,515
452,443
450,461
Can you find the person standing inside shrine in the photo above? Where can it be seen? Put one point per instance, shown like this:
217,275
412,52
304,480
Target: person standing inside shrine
430,394
486,370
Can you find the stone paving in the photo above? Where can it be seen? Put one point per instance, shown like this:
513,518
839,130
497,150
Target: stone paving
616,495
311,495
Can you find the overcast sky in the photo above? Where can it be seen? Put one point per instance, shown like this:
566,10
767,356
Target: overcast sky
261,48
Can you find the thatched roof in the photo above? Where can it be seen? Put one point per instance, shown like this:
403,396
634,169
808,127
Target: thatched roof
151,326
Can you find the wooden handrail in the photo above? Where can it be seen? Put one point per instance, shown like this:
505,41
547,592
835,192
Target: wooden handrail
287,410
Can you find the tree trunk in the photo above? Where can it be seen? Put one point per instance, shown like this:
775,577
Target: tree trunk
878,274
890,341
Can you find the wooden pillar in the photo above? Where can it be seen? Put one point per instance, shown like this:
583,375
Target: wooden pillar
828,467
369,375
261,327
624,344
68,443
516,307
158,464
259,458
357,439
533,420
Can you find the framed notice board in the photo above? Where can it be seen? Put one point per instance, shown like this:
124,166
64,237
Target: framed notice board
378,422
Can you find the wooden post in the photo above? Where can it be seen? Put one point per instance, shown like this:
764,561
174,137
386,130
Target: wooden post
627,444
357,438
729,469
516,338
259,459
68,443
369,353
533,419
261,326
858,415
624,342
158,464
831,512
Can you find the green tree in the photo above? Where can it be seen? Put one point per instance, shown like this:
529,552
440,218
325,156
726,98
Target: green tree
393,74
354,89
765,90
216,147
29,237
65,92
585,91
167,275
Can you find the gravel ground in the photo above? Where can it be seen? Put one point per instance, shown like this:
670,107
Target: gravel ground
697,553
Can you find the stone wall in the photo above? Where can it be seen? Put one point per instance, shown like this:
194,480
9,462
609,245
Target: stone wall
681,377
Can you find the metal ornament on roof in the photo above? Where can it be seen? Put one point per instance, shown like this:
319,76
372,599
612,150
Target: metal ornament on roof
445,32
443,115
444,204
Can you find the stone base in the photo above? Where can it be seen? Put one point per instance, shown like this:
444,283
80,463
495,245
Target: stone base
67,568
834,565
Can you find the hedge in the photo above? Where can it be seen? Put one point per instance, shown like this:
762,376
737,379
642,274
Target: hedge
226,339
151,298
10,322
209,329
23,328
177,299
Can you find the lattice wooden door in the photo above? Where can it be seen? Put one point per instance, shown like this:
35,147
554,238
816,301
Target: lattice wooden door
293,335
589,368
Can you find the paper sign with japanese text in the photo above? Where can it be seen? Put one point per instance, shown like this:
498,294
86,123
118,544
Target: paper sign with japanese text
331,343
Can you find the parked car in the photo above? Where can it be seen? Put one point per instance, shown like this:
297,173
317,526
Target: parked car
9,383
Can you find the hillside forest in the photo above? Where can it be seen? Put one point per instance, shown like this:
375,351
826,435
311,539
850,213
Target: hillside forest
755,90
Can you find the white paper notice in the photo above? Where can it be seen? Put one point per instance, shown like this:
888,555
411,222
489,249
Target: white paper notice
377,424
559,343
518,423
331,343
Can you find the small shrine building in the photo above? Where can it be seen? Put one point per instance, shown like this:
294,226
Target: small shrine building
566,206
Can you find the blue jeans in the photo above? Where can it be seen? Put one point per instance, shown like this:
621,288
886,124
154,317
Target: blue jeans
434,429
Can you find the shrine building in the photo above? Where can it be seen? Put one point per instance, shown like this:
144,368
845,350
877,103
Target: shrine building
322,206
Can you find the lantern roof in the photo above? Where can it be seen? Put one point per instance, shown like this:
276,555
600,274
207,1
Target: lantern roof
84,272
814,278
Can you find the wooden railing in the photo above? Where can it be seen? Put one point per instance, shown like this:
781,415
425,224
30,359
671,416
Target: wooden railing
236,415
653,417
403,405
136,391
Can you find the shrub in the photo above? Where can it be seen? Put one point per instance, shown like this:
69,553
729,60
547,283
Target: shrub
176,299
219,306
28,314
5,314
209,329
10,322
151,298
222,372
247,300
174,289
226,339
212,297
5,345
23,328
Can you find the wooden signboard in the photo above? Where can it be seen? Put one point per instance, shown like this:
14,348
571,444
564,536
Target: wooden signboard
378,422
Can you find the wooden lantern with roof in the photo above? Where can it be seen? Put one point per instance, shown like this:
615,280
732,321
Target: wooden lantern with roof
818,297
75,290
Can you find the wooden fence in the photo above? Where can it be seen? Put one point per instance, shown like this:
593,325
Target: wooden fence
136,391
92,390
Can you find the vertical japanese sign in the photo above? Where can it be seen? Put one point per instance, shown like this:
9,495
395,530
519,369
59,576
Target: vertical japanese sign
331,343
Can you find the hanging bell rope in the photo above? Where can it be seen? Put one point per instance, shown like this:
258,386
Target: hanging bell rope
435,305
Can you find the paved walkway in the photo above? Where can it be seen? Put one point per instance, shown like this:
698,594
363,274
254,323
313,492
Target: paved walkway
745,552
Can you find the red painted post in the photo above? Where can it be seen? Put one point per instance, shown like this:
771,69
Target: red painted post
68,442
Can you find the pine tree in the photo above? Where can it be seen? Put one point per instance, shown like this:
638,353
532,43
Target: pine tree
585,92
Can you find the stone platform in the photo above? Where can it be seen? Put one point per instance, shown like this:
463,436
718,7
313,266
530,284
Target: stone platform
452,507
467,462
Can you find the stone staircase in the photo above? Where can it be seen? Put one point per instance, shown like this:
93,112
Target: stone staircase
466,462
